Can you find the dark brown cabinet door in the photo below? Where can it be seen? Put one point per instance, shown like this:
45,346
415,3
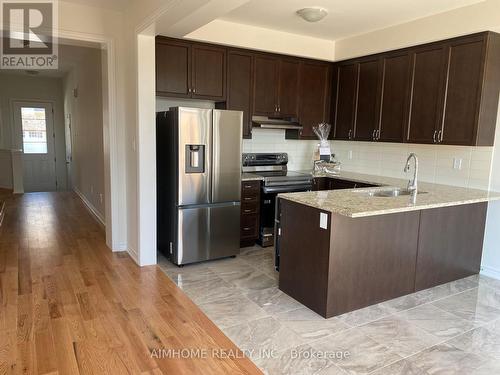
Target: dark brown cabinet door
395,97
288,88
368,102
347,78
266,72
463,92
429,65
209,72
314,96
173,73
239,87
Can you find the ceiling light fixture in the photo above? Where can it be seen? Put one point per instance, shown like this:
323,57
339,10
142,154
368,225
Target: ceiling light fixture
313,14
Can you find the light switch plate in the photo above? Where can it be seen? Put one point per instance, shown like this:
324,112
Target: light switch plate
323,220
457,163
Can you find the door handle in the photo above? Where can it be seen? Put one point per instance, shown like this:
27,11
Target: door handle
440,136
434,136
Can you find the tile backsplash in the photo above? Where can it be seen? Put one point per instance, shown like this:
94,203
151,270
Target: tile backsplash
452,165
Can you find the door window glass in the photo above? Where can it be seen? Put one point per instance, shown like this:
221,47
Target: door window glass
34,130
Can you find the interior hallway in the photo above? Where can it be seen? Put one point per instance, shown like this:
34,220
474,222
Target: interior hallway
69,305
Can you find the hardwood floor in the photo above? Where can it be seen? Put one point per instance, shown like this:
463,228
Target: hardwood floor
69,305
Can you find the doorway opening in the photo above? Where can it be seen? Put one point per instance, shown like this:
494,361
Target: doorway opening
34,123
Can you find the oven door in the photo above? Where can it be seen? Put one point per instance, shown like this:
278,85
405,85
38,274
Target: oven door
267,210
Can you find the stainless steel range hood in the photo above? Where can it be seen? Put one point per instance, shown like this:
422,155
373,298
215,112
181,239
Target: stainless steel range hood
264,122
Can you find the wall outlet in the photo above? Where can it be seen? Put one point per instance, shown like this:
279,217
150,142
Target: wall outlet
349,155
457,163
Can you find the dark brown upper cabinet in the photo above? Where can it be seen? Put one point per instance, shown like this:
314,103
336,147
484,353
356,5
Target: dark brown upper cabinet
288,87
368,100
313,96
265,88
208,72
428,87
395,98
173,68
239,86
190,70
345,105
275,86
472,92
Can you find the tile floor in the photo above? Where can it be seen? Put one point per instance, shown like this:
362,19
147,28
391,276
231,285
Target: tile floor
450,329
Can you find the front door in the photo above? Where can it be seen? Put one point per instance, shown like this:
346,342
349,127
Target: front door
34,127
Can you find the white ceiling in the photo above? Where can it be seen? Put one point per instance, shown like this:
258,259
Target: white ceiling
345,18
108,4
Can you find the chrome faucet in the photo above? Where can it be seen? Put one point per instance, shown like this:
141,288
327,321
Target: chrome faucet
412,184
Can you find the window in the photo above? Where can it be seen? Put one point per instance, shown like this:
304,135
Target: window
34,130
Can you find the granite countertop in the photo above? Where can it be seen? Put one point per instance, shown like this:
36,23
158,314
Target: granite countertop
358,203
250,177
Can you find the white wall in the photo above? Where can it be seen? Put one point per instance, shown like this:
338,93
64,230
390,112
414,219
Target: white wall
33,88
106,27
262,39
87,167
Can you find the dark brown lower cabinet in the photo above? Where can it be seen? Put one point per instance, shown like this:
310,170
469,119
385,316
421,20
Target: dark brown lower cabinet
358,262
250,210
450,244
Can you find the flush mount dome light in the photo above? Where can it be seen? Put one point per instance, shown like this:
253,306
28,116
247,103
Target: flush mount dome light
312,14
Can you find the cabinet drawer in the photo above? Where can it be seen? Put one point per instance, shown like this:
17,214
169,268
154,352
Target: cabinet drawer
249,226
250,188
248,208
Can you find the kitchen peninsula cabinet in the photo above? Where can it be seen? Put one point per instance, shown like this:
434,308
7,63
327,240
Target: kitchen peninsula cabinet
348,263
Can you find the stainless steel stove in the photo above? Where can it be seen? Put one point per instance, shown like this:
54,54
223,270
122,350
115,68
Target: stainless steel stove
277,179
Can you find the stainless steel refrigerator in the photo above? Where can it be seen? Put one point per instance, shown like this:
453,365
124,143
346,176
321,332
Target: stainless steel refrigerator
198,183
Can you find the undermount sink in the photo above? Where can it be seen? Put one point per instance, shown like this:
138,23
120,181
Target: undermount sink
392,193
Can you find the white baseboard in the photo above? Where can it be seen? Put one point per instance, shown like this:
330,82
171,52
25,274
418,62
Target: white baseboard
490,272
120,246
93,211
134,255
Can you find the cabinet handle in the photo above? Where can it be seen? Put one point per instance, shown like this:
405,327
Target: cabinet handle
194,89
378,134
434,136
247,229
440,136
248,186
247,211
279,108
350,134
247,198
189,90
374,137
